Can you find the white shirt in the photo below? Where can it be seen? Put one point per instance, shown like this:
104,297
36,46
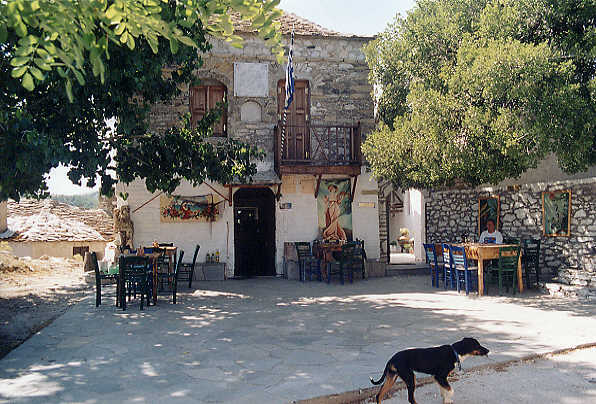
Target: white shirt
495,237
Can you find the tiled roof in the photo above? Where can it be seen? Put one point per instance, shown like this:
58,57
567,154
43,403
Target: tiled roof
49,220
301,26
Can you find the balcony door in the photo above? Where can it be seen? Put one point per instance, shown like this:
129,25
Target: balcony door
297,139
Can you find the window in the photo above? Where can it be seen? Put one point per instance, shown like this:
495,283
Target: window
80,251
204,98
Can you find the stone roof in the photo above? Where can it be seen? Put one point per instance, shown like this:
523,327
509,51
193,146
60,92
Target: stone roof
302,26
49,220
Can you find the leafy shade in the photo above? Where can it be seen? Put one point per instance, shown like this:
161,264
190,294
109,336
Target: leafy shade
40,128
65,35
481,90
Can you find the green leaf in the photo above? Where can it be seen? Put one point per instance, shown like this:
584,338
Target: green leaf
173,46
79,77
18,61
130,42
68,85
28,82
124,37
42,64
18,71
37,73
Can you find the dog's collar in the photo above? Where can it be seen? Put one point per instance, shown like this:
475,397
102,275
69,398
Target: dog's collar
457,358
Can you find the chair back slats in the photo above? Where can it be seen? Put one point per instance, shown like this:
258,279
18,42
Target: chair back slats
348,250
303,250
508,262
446,255
458,257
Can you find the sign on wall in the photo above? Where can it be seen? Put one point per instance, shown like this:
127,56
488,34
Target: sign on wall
335,210
188,209
251,79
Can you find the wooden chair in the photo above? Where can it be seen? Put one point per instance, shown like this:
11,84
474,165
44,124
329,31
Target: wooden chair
507,267
360,257
346,263
448,278
134,274
98,278
433,264
171,278
464,273
531,259
307,262
187,269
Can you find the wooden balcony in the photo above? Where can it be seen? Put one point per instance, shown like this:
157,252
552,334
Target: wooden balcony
318,149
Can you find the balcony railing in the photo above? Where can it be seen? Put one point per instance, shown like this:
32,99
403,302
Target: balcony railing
314,147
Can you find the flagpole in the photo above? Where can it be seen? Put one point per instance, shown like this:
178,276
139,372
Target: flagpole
289,87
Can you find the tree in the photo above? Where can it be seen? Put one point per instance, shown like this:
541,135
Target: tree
64,34
480,91
40,128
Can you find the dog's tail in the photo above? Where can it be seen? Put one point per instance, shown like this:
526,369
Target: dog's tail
382,377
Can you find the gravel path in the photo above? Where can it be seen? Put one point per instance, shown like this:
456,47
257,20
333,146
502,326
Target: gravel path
33,295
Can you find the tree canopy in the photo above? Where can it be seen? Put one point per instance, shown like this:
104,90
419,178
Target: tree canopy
481,90
40,128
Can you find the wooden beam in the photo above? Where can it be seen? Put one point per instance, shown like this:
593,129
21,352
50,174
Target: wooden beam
230,193
353,188
218,193
317,187
278,194
347,170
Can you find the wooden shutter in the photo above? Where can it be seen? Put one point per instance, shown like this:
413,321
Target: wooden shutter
298,116
204,98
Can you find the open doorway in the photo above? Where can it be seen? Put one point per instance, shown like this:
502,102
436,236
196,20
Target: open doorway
254,232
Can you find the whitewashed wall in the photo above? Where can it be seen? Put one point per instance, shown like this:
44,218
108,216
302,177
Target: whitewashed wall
412,217
36,249
300,223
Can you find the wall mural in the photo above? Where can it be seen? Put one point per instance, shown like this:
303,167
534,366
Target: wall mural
188,208
335,210
556,213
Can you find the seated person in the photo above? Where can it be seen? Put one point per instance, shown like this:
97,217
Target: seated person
490,235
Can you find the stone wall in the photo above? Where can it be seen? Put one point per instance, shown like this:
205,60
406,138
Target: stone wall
452,214
334,66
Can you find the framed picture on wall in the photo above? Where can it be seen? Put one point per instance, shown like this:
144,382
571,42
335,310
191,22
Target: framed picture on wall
488,208
556,213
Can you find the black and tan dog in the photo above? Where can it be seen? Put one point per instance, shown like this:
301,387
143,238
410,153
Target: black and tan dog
437,361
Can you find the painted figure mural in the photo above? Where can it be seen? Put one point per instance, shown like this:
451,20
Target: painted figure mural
335,210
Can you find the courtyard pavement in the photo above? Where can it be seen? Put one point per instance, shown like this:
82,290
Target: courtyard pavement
272,340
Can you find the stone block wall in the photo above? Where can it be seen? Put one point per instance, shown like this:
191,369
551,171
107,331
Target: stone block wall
453,213
334,66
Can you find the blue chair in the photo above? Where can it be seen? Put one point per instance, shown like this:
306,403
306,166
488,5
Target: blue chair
307,262
448,278
433,264
464,273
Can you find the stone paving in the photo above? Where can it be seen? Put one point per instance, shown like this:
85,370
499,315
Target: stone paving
272,340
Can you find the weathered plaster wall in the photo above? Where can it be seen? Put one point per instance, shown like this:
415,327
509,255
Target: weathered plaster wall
572,259
299,223
36,249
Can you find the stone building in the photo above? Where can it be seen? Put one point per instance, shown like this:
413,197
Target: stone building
55,229
571,259
315,154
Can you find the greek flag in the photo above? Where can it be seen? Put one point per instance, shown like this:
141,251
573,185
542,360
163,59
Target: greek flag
290,75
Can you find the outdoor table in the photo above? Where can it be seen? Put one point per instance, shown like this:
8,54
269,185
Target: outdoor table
171,253
482,252
325,253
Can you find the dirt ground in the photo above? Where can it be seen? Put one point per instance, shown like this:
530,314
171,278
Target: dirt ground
33,292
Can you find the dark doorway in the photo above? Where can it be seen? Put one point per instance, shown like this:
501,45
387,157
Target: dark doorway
254,232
